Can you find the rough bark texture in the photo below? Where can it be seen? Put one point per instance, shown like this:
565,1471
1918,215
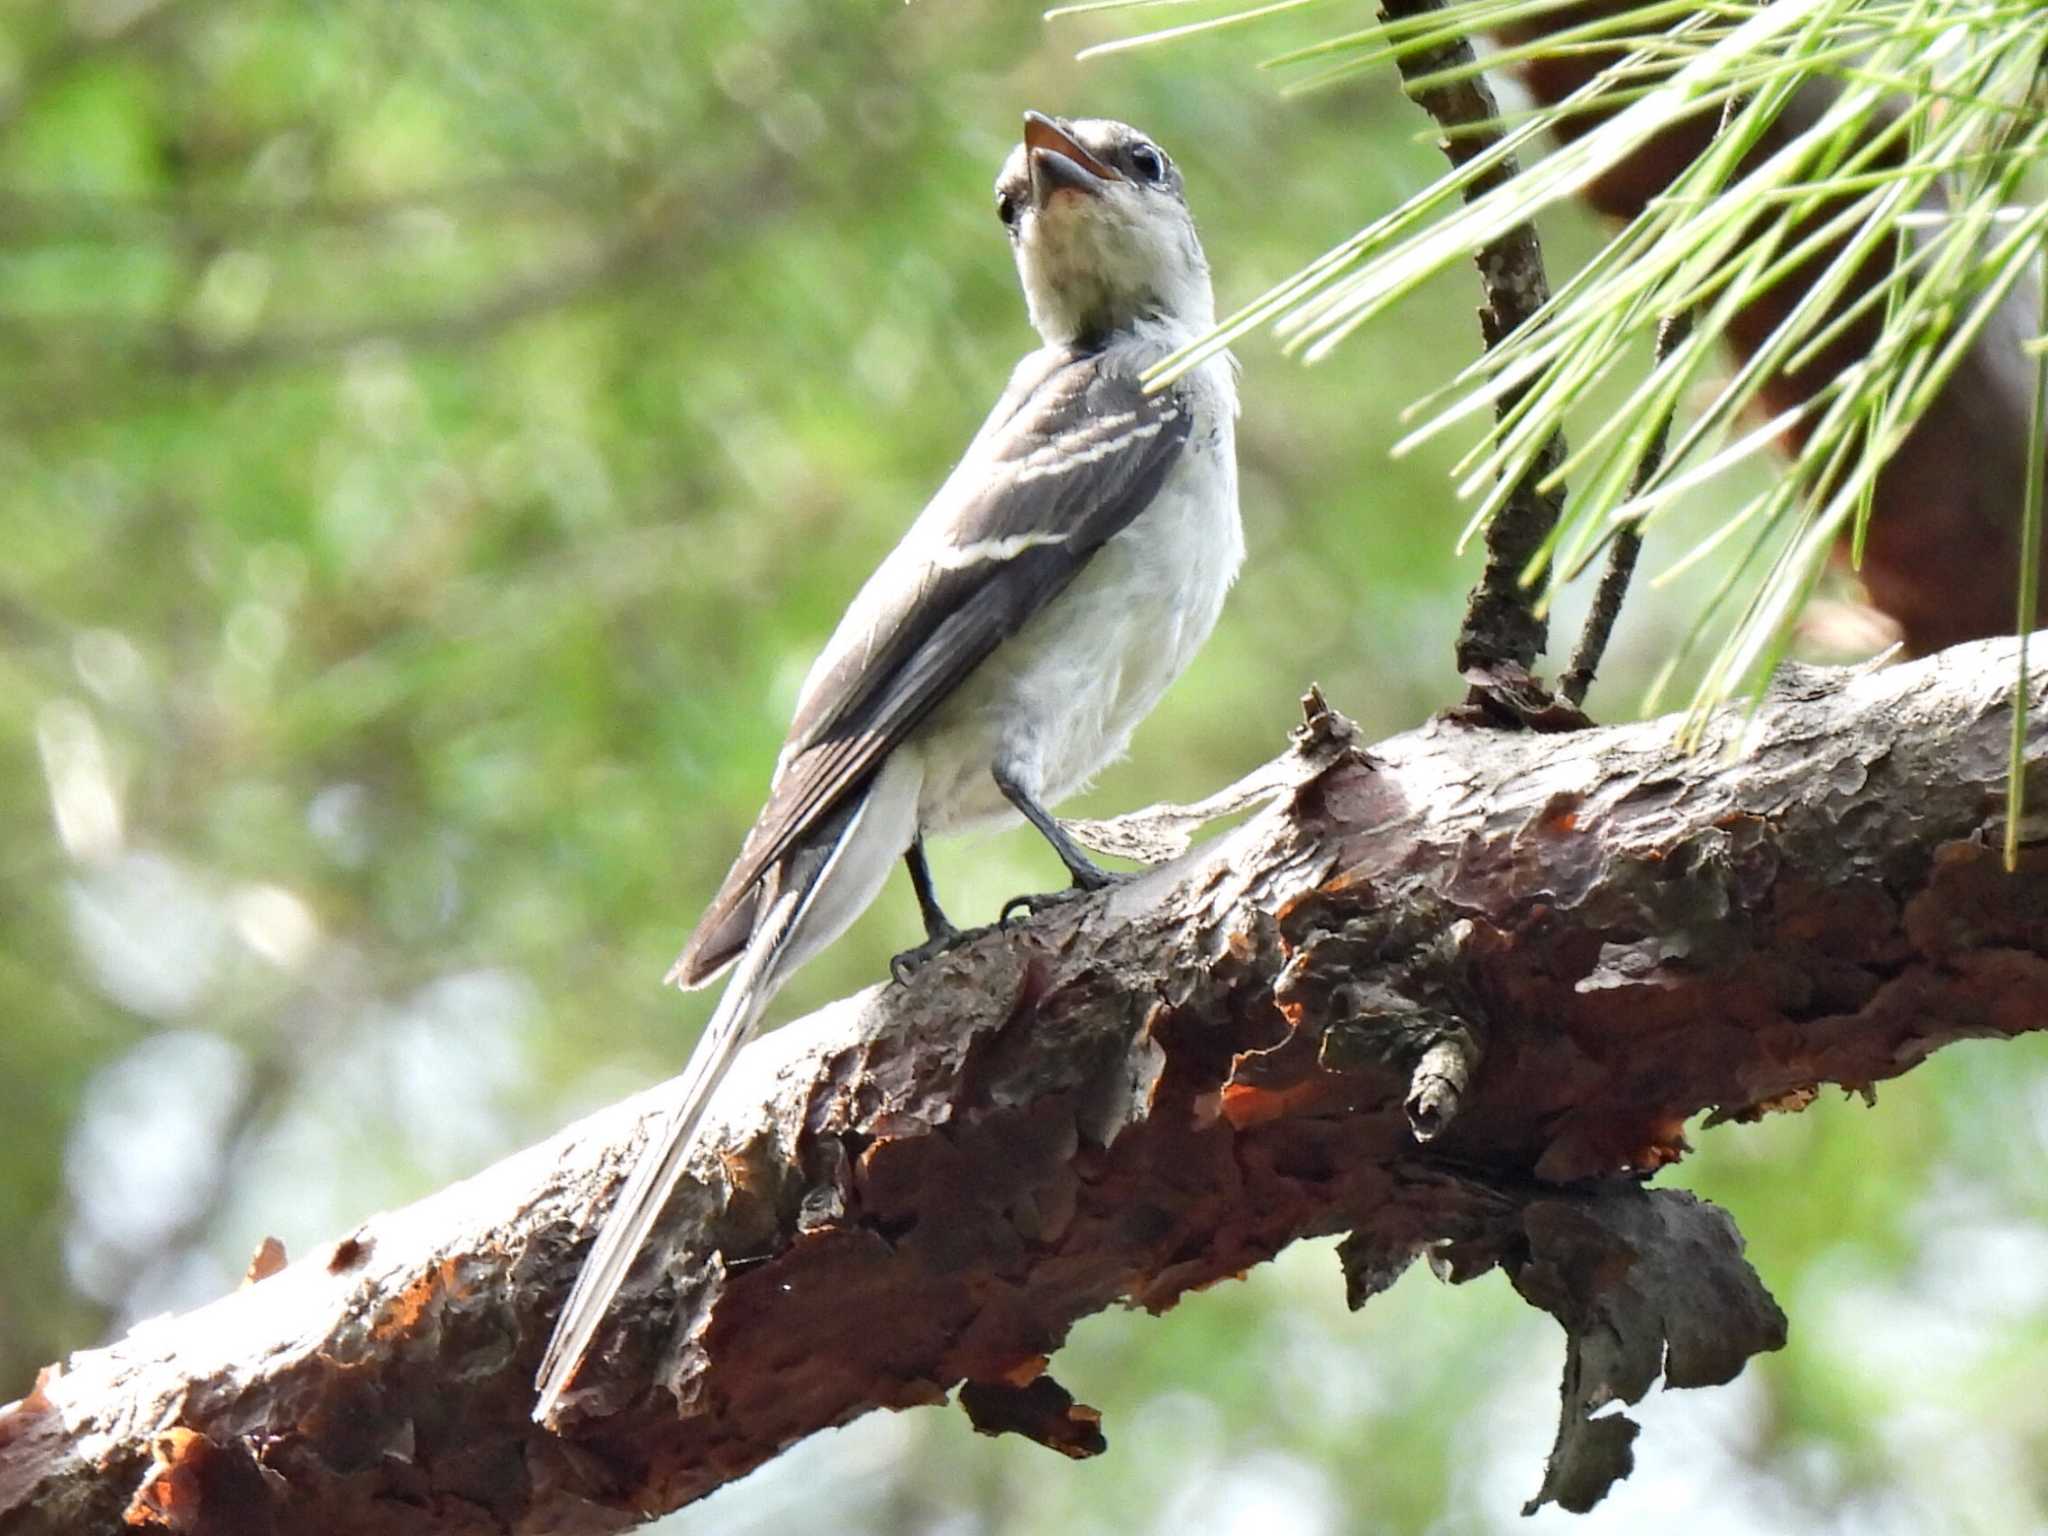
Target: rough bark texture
1457,996
1944,538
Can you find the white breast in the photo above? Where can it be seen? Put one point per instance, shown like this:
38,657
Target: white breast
1059,700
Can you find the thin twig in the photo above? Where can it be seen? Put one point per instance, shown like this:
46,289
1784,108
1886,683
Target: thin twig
1672,333
1503,631
1628,539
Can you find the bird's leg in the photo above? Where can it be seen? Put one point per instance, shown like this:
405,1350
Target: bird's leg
939,934
936,926
1088,875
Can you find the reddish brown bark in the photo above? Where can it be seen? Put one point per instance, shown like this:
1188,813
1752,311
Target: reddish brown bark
1442,997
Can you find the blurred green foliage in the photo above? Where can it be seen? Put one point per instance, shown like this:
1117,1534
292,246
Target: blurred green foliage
435,440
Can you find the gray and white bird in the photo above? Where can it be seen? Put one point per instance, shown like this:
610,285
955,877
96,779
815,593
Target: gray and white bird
1003,653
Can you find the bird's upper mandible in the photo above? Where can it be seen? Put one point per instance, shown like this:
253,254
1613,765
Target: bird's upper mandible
1102,232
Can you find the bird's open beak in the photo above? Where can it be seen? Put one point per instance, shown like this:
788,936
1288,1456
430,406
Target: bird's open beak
1058,163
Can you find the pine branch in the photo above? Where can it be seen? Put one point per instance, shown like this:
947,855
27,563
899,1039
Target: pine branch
1440,998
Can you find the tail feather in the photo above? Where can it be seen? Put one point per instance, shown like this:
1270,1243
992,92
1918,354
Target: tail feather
804,903
640,1203
728,924
721,938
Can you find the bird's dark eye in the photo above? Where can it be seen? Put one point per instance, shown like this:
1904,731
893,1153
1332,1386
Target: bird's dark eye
1148,162
1006,209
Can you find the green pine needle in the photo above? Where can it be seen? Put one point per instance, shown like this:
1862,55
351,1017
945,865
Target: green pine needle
1930,152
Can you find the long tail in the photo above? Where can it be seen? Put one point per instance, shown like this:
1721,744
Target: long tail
639,1205
820,888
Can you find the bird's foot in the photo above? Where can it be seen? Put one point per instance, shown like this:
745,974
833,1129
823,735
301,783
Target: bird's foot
941,940
1100,880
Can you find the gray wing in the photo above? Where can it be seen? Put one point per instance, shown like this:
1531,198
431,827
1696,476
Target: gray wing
1051,479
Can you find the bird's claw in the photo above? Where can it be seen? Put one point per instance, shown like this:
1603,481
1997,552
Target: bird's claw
906,964
1033,905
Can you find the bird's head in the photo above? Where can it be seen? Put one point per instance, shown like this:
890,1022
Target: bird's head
1101,230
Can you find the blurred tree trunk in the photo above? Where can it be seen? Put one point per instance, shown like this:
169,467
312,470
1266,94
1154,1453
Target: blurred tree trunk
1944,538
1438,996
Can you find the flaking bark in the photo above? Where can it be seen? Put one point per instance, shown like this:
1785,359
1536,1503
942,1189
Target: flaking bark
1589,938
